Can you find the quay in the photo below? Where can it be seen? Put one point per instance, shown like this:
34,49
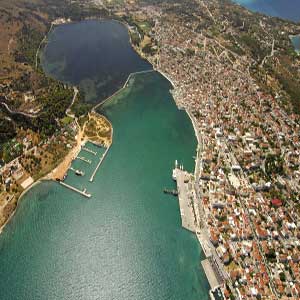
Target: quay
84,159
89,150
98,165
185,199
83,193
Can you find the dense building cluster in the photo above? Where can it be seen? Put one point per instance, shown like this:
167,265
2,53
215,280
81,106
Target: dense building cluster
248,175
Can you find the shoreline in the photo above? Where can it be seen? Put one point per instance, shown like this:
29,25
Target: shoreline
18,201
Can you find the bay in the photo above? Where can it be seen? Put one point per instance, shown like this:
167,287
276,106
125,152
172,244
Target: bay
126,241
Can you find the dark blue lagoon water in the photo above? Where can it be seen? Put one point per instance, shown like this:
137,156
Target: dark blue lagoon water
126,241
94,55
287,9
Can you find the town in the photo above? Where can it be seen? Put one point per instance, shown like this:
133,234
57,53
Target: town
247,169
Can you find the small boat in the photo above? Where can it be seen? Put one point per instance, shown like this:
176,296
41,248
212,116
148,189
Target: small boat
79,173
172,192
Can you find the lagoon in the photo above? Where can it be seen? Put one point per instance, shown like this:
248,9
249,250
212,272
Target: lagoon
95,55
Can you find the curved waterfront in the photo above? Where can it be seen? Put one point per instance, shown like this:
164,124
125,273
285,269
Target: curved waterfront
126,242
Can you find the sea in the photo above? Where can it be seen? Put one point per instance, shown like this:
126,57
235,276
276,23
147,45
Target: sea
286,9
126,241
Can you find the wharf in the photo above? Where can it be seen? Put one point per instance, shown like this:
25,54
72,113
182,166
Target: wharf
83,193
185,200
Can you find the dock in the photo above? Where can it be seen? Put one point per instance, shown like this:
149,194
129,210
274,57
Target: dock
83,193
185,199
98,165
89,150
84,159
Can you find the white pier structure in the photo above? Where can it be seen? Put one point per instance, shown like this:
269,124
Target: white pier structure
83,193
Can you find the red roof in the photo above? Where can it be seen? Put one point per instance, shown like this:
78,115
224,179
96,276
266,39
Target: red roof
276,202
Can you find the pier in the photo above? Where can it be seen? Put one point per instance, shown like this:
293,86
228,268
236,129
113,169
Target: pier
83,193
185,199
84,159
98,165
89,150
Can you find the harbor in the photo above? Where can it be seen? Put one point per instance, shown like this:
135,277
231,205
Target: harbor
190,212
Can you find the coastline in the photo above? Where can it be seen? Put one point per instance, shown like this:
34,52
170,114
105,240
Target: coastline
18,200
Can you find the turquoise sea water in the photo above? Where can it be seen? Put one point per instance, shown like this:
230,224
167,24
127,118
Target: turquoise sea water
287,9
126,242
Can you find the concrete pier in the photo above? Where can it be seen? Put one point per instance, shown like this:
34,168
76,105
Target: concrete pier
84,159
89,150
83,193
185,200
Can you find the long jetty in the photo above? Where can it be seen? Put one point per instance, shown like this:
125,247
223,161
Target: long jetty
83,193
98,165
